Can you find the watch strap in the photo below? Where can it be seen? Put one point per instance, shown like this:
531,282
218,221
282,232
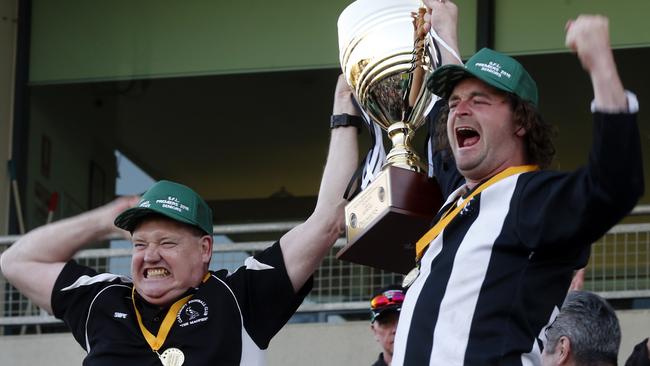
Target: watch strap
344,119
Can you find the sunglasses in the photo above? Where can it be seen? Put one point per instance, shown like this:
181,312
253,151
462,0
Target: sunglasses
390,297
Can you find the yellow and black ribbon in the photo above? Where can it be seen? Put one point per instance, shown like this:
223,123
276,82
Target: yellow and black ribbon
422,244
155,342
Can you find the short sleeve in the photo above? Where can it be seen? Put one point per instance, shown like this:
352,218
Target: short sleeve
265,294
73,292
64,295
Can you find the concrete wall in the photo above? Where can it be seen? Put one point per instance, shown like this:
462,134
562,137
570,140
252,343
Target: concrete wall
324,344
297,344
8,11
635,326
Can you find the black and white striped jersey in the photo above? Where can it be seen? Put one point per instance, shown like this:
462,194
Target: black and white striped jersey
229,320
493,279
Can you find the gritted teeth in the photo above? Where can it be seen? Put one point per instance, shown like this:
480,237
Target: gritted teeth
467,136
156,273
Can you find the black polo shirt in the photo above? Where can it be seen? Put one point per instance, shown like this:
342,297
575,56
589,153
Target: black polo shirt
208,328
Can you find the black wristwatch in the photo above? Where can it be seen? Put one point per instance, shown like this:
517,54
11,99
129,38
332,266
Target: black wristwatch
344,119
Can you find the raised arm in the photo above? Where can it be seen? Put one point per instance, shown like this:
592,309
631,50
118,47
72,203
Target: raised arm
602,192
307,244
442,15
33,263
588,37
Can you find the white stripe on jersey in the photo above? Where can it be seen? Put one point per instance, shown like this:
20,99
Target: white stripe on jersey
467,276
255,265
406,314
534,357
451,333
86,280
251,354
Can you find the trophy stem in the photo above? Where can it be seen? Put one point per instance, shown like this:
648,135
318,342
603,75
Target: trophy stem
401,155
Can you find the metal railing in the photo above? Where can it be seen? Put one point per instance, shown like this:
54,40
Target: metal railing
619,267
338,286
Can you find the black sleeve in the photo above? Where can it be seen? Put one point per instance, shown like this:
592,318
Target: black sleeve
639,356
577,208
70,303
265,294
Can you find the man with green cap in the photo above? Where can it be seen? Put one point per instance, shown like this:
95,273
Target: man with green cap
173,310
495,267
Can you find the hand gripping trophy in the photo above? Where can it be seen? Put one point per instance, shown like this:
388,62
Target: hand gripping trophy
386,57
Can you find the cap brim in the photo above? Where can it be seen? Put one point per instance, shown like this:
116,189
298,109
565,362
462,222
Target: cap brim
129,219
380,313
445,78
443,81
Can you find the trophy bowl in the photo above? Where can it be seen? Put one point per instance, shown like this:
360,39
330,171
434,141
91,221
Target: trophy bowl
385,61
386,58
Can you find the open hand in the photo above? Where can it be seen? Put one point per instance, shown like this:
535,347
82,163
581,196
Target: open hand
111,210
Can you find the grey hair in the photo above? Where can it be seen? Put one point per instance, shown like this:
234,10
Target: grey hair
592,327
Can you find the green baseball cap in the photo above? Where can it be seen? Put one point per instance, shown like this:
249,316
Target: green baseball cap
173,200
494,68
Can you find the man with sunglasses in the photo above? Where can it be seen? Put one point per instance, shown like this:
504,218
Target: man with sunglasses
172,310
385,308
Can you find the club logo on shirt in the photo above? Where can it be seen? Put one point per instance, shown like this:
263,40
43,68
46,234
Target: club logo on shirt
119,315
195,311
468,208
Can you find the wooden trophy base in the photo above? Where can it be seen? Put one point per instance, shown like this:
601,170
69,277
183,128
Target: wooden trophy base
386,219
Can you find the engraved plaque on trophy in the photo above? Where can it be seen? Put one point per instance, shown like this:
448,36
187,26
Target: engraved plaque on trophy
386,59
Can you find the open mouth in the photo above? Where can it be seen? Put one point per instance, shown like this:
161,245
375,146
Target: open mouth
467,136
153,273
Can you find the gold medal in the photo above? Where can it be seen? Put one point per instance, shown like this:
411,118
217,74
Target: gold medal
172,357
410,277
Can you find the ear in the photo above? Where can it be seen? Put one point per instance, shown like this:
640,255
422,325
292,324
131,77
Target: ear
564,349
520,131
206,248
374,332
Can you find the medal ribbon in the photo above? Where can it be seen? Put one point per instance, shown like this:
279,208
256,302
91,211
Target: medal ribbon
155,342
430,235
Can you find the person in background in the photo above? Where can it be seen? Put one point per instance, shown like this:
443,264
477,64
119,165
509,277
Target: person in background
586,332
385,308
640,355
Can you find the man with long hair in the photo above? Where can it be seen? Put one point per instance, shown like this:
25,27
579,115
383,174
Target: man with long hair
497,263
